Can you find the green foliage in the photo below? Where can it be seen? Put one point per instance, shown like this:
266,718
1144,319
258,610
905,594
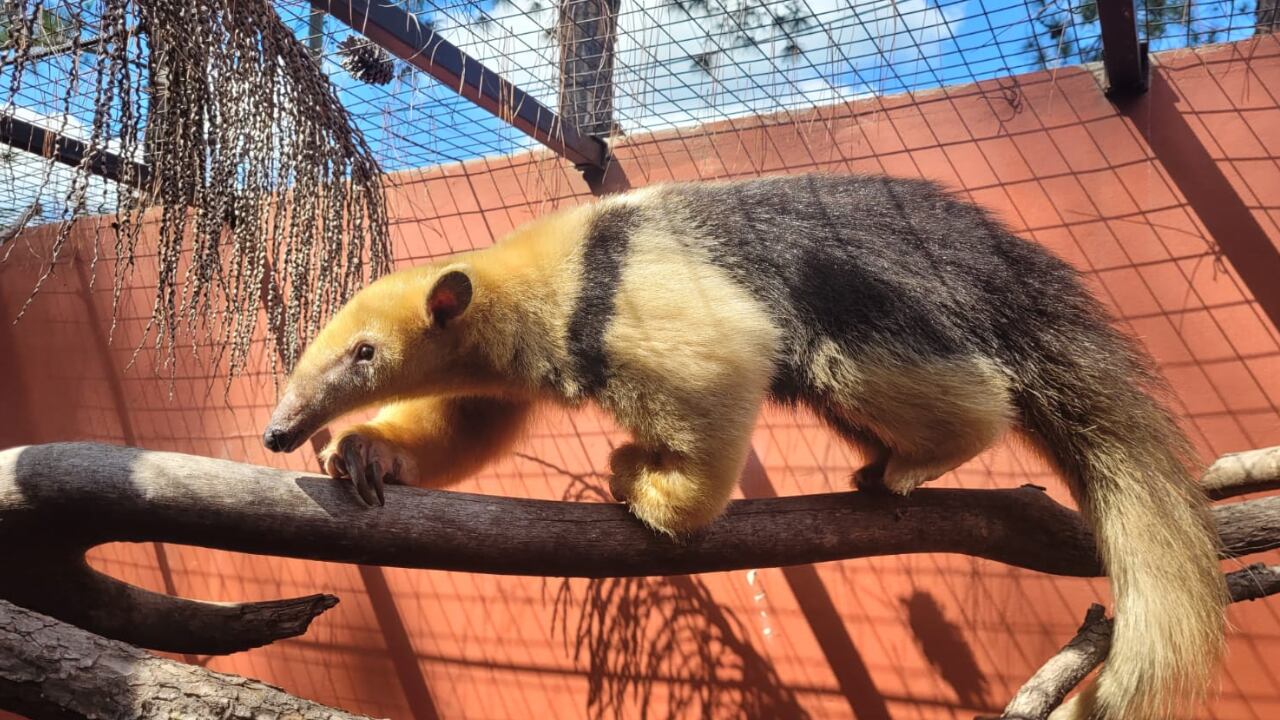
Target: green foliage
50,29
1071,34
741,24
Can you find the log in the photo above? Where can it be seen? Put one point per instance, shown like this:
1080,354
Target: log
59,500
49,669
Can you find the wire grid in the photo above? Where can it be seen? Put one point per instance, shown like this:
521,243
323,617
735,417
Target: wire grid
678,64
46,96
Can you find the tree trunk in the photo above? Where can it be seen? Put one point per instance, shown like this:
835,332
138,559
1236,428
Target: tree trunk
588,31
1267,17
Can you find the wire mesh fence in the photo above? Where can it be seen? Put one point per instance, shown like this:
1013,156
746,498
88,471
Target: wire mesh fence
676,64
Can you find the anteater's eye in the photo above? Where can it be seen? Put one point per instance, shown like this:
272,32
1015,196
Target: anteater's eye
364,353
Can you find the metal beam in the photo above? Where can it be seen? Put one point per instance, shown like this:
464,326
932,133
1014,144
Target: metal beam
404,36
1124,58
67,150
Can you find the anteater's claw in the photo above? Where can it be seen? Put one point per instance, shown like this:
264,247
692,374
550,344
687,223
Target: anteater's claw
351,455
369,464
375,478
364,485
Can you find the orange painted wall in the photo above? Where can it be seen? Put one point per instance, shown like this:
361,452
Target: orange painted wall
928,636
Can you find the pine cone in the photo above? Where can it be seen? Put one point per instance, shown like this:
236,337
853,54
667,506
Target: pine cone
366,61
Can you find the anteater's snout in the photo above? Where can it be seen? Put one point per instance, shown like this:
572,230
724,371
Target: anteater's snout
290,425
279,439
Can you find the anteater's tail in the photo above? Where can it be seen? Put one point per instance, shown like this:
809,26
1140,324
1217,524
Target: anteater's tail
1129,467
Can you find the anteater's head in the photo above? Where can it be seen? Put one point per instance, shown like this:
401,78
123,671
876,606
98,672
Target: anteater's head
401,336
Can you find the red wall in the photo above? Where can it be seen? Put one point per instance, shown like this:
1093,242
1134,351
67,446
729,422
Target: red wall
1159,203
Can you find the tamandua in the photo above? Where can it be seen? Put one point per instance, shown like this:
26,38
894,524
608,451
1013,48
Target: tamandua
913,323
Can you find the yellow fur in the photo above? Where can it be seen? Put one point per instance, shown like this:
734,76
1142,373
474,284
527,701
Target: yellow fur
437,441
691,436
1167,639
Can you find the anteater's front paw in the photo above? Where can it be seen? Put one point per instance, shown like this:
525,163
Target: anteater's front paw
368,462
660,494
626,464
870,480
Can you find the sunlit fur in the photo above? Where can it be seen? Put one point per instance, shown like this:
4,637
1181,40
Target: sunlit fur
916,326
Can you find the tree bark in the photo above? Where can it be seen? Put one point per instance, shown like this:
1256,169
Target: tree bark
588,31
58,500
49,669
1267,17
1240,473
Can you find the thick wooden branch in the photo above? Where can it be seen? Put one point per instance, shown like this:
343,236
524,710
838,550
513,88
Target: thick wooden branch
65,498
49,669
1050,684
66,587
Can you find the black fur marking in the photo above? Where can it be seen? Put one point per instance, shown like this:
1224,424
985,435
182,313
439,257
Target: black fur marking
602,259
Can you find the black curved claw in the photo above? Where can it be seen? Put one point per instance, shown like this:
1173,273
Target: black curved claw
356,469
375,476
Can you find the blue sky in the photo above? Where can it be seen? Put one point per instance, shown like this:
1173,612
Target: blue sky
849,49
855,48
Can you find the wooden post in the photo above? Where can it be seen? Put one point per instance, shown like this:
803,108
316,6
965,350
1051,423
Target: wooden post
315,33
1123,55
1267,15
588,31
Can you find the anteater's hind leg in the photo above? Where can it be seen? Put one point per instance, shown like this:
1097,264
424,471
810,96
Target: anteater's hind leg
875,453
930,417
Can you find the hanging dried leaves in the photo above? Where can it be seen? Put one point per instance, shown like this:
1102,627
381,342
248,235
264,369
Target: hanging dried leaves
266,193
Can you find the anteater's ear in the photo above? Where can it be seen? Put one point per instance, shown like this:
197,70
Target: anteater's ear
449,297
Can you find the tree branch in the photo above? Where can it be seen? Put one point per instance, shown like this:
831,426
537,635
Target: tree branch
49,669
1245,472
66,498
1050,684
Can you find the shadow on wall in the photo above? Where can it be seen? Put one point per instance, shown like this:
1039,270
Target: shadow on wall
943,644
663,647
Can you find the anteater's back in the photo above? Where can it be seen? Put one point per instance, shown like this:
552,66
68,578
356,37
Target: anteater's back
878,262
